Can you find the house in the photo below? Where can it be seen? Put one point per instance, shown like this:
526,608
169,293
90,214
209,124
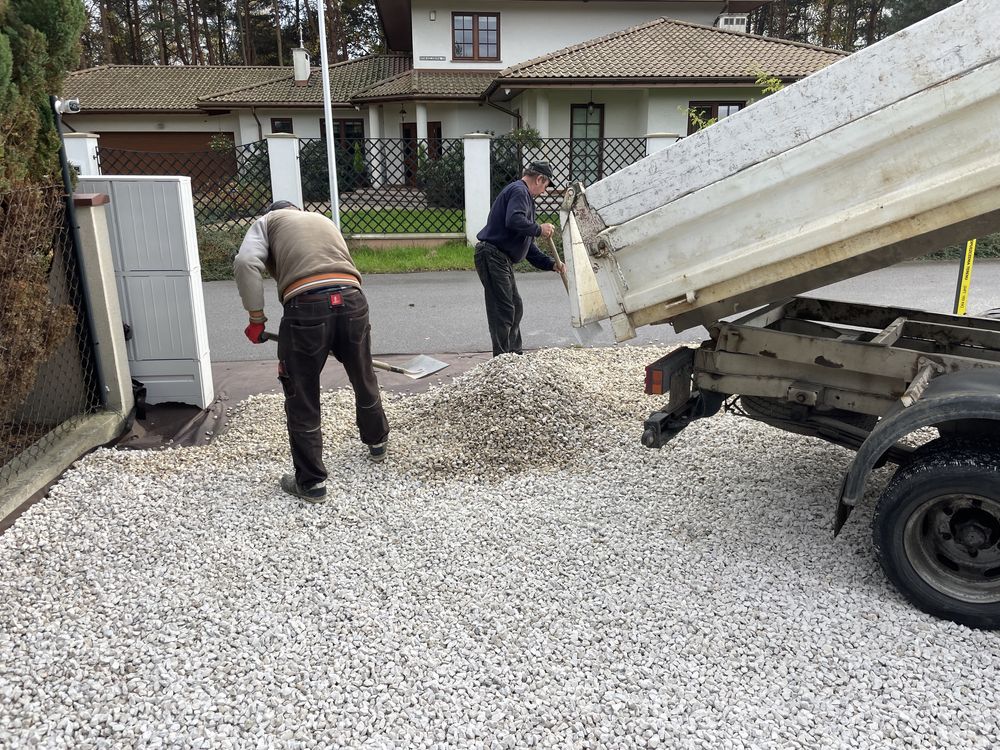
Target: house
574,70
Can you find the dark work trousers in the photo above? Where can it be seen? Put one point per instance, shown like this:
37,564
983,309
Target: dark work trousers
313,326
503,303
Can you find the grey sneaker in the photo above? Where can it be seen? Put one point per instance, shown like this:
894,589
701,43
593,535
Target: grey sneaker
377,452
315,494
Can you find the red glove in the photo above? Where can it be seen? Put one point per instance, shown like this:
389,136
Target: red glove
254,332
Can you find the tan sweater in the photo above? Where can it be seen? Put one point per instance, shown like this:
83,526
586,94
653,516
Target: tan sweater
301,250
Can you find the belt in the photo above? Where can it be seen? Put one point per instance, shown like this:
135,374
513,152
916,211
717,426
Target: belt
323,294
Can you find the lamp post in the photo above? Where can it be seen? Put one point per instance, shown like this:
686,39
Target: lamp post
331,156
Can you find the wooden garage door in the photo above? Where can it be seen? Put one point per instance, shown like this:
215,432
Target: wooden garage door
157,154
159,141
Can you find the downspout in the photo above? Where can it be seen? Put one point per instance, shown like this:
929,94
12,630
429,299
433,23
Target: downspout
260,129
515,115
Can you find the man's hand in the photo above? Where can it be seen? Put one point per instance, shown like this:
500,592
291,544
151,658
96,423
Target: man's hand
254,332
559,267
547,229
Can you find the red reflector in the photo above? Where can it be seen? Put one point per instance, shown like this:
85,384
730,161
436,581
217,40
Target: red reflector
654,381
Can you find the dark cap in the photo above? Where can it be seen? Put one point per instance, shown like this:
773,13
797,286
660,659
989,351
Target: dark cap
543,168
280,204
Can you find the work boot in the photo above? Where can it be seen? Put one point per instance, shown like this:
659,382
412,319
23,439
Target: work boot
315,494
377,451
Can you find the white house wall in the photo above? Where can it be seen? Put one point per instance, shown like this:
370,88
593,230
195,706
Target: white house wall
89,123
529,28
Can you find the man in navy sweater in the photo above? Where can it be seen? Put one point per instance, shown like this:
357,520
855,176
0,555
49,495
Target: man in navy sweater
509,238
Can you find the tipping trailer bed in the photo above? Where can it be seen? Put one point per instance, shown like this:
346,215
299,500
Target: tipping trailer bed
883,156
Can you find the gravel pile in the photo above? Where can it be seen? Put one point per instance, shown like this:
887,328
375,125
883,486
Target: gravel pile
591,594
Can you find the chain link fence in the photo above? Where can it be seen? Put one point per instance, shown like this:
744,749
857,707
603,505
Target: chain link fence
47,369
389,185
585,160
231,184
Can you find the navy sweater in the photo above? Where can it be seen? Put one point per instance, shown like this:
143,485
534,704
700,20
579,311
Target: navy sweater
511,227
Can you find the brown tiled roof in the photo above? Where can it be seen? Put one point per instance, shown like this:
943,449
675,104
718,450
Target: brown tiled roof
430,84
160,88
671,51
346,79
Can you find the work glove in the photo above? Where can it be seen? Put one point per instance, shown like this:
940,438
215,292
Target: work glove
255,332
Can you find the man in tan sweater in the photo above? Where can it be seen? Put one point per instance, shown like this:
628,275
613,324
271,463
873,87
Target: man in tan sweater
325,312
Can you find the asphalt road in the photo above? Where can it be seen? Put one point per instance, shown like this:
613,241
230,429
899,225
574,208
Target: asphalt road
437,313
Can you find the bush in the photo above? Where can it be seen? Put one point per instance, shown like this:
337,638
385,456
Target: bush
216,249
352,172
443,179
507,157
986,247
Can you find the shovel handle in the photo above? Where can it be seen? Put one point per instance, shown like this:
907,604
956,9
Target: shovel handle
555,254
268,336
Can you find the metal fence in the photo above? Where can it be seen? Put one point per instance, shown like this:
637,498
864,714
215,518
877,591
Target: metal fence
585,160
231,185
47,368
389,185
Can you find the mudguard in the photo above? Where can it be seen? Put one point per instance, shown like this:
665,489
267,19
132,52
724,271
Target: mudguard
968,398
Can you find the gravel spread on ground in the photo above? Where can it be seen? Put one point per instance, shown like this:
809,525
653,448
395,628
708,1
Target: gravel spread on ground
520,572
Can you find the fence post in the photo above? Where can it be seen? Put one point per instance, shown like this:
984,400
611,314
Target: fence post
659,141
286,174
477,183
81,152
97,269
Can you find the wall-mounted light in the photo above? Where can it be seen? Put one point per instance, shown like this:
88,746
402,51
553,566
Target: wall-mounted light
590,103
402,112
433,15
506,92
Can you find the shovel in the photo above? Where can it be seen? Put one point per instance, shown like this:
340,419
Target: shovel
416,368
589,332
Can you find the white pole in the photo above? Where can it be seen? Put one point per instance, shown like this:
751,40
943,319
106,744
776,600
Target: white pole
331,157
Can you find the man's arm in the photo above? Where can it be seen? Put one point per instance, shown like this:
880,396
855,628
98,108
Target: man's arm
518,211
248,268
539,259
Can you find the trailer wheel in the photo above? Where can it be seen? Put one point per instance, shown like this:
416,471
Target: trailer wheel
937,533
773,409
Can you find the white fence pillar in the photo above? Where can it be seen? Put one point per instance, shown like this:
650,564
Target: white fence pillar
81,152
477,183
659,141
421,122
376,160
286,174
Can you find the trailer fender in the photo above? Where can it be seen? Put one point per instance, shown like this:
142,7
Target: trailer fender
970,397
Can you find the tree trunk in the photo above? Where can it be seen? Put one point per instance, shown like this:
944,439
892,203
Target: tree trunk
277,32
105,32
220,29
178,36
191,13
161,34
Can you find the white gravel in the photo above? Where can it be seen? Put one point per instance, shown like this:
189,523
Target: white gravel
590,594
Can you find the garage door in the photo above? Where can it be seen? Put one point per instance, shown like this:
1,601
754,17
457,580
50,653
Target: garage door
159,141
157,154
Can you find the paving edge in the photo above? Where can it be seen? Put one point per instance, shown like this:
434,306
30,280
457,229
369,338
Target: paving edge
90,432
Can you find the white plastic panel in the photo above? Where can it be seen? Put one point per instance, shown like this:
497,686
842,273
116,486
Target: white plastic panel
157,271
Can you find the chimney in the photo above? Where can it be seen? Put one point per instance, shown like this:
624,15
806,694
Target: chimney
300,65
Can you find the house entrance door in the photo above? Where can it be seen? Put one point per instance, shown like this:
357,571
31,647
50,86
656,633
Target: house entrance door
432,149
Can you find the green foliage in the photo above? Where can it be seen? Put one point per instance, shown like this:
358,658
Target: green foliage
768,84
443,179
216,249
507,153
903,13
456,256
352,172
39,41
221,142
986,247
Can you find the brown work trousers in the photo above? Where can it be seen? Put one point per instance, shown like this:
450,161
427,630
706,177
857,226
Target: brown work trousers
314,326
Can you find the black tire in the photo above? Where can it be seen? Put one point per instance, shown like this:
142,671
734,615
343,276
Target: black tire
777,410
936,532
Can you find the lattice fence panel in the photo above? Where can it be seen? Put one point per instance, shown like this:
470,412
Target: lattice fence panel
389,185
231,185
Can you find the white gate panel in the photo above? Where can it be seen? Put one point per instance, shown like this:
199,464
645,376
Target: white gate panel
158,273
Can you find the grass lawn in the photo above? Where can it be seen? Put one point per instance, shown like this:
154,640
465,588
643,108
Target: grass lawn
451,257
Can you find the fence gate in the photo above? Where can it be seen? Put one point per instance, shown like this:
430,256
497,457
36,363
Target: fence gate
155,250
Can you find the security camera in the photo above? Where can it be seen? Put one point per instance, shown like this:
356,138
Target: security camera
68,106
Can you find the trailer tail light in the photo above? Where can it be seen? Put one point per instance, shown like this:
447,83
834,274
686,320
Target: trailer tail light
654,380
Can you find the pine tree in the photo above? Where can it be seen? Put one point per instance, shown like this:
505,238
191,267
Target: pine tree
907,12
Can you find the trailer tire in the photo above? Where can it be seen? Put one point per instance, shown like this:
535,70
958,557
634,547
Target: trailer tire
936,532
776,410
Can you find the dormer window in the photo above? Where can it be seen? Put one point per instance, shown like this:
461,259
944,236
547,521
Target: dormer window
475,36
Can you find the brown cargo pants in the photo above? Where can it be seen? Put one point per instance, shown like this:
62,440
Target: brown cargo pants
313,326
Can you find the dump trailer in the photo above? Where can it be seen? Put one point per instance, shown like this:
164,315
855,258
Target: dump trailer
882,157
